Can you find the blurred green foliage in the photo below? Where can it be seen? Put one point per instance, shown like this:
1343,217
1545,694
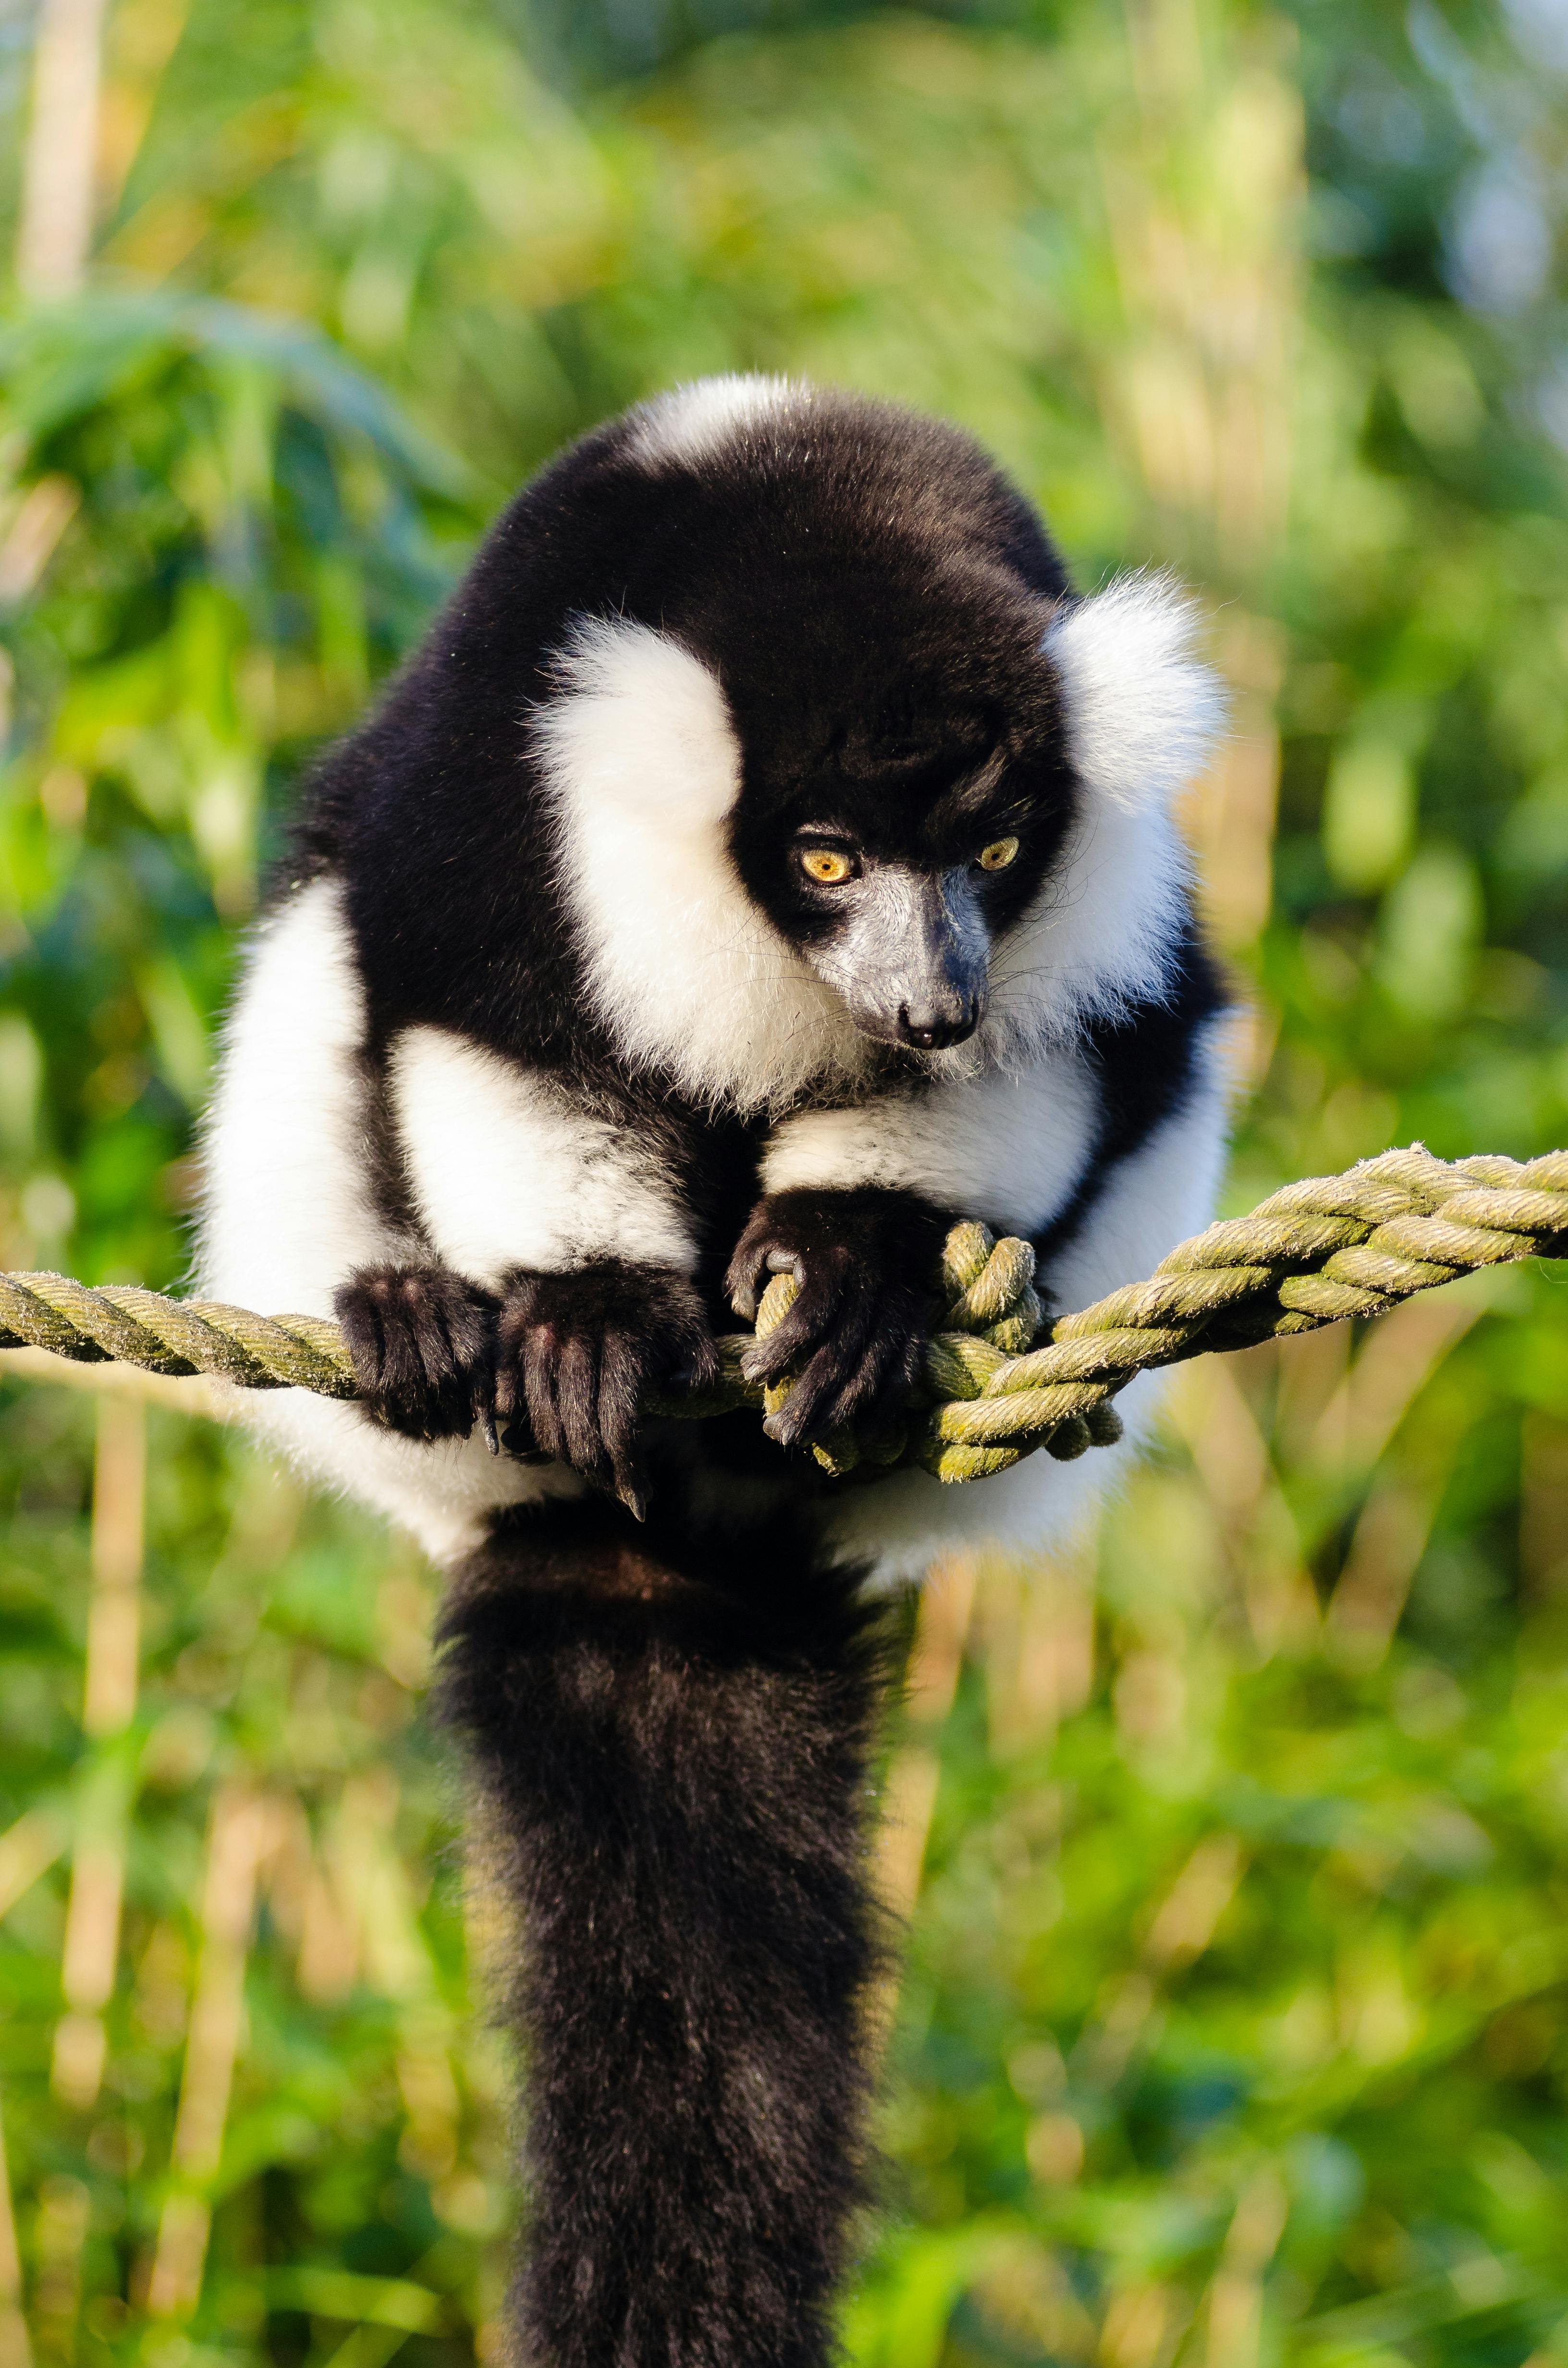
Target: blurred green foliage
1236,2020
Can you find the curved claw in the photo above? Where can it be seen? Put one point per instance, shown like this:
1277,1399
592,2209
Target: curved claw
578,1355
419,1338
854,1336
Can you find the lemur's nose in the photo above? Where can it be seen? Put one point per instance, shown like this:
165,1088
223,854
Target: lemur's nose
931,1031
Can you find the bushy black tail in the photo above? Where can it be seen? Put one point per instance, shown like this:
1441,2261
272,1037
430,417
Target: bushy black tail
670,1743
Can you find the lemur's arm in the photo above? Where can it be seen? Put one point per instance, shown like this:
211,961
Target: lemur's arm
865,1257
856,1203
1104,1158
559,1288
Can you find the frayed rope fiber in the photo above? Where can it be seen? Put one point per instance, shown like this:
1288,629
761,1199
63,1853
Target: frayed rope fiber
1318,1251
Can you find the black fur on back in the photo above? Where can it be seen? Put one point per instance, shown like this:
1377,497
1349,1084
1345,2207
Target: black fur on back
669,1742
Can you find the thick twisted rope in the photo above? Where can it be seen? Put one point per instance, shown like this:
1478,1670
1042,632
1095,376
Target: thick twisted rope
1330,1247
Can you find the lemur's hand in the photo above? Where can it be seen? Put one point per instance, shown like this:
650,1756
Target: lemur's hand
420,1341
867,1261
577,1355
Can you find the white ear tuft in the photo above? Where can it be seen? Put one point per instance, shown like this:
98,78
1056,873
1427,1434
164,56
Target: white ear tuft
1142,711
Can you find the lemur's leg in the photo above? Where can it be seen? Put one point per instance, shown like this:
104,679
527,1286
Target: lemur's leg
295,1160
565,1282
1158,1193
289,1206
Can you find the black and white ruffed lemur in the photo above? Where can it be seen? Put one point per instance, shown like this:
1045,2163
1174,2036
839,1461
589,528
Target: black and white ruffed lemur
768,859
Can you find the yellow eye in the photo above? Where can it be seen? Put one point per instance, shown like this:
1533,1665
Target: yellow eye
828,865
998,855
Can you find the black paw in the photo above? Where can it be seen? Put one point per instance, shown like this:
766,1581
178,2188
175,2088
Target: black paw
576,1356
867,1262
420,1341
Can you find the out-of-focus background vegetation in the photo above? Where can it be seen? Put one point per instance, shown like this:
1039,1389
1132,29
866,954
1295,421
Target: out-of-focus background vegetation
1236,2020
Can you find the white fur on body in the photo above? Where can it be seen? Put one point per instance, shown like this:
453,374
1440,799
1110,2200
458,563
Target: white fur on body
697,989
506,1172
288,1216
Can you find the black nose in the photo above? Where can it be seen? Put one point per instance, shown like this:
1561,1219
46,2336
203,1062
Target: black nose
931,1032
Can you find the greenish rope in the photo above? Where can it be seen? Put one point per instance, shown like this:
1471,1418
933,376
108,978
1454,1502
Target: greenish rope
1316,1252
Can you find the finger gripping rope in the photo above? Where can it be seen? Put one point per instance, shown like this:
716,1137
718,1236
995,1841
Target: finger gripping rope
1328,1247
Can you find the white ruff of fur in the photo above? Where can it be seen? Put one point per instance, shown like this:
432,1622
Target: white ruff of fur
696,422
1142,715
693,980
1007,1147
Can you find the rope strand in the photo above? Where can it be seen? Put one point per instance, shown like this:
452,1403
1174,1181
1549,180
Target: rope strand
1326,1248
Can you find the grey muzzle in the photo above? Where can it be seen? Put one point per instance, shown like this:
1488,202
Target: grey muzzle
910,957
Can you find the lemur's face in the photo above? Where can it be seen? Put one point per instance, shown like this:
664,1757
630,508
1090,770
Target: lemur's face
895,901
892,852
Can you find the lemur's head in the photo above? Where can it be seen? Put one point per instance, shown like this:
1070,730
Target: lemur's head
846,765
904,788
